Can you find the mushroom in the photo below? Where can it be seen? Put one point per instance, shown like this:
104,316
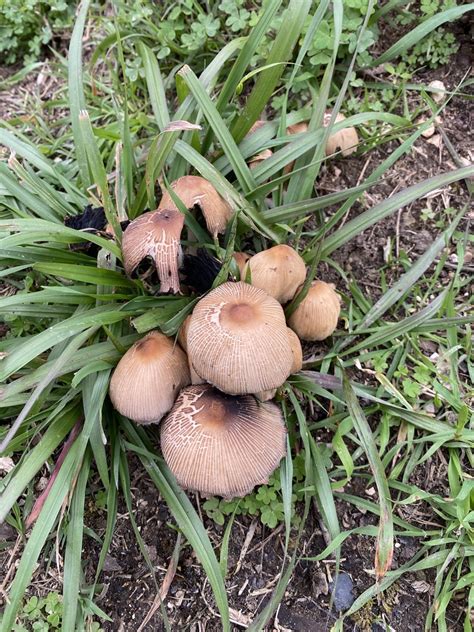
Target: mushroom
297,351
155,234
194,190
438,90
148,377
241,259
221,445
183,341
345,139
316,316
265,153
279,271
237,340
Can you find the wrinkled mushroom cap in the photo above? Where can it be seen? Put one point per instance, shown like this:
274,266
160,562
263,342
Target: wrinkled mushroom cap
237,340
221,445
155,234
148,377
316,316
194,190
279,271
345,139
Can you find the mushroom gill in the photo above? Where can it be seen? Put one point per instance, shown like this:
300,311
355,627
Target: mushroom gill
155,234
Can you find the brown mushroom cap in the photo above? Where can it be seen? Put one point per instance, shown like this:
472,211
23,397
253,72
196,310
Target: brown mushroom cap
345,139
279,271
222,445
155,234
183,341
148,377
296,350
237,340
194,190
241,259
316,316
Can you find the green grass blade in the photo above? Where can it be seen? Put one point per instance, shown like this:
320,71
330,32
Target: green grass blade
384,549
40,533
355,226
26,470
73,556
76,90
419,32
285,41
219,128
156,88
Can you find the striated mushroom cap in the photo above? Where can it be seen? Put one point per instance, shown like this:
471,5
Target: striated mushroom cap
183,341
155,234
222,445
148,377
194,190
346,139
237,340
316,316
296,350
279,271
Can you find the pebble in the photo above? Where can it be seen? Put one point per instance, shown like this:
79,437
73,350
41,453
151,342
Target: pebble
343,592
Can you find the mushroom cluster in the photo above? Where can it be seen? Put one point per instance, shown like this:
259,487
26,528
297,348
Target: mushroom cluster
210,388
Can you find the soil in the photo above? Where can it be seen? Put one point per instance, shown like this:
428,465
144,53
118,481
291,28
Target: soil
128,588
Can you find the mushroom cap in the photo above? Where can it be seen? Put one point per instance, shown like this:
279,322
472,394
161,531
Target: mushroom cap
155,234
222,445
194,190
345,139
296,350
148,377
279,271
316,316
237,340
241,259
183,341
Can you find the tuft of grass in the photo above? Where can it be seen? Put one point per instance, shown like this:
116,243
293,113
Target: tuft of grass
72,315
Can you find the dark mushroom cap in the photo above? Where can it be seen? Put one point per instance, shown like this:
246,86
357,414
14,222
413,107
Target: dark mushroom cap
222,445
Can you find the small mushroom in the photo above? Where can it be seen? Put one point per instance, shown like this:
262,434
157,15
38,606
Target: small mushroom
155,234
265,153
439,90
148,377
297,351
316,316
237,340
194,190
183,341
241,259
221,445
345,139
279,271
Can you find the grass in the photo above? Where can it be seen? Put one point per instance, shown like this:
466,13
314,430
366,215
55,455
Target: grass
389,408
